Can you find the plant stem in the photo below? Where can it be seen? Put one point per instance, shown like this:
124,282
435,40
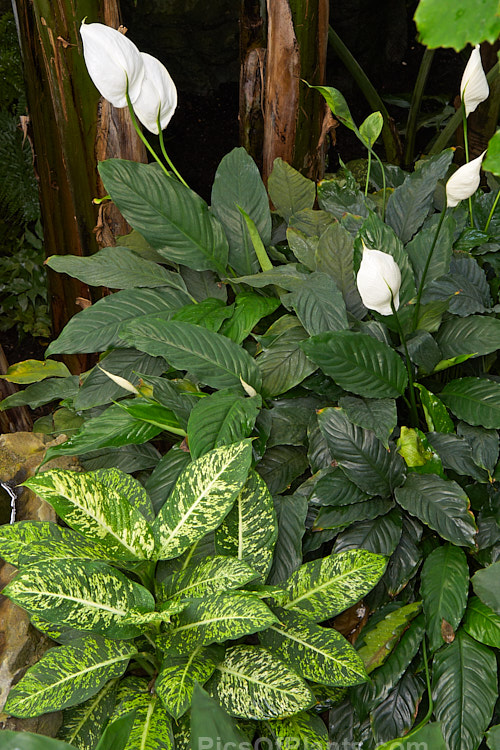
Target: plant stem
143,137
167,158
426,268
368,174
411,385
495,202
384,185
416,99
429,694
466,144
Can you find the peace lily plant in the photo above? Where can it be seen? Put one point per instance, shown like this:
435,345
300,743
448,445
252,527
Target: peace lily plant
295,415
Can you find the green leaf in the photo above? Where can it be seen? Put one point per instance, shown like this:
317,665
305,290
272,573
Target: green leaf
252,683
337,104
396,714
477,334
17,538
179,674
436,415
492,160
482,623
381,535
179,395
222,418
378,642
299,732
98,327
152,728
216,618
464,687
116,268
465,288
237,182
80,594
172,218
319,304
280,465
484,445
441,504
475,400
289,190
33,370
444,590
334,256
455,24
358,452
250,529
339,200
42,393
209,720
316,653
411,202
325,587
493,737
154,414
98,509
379,415
213,358
29,741
165,474
343,515
68,675
249,308
418,248
203,284
291,511
486,584
202,496
405,557
213,574
210,313
429,736
117,733
336,489
83,724
289,277
358,363
456,454
371,128
282,362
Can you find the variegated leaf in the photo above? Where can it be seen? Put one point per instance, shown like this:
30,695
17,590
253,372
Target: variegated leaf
325,587
300,732
82,725
17,538
182,732
68,675
152,728
253,683
129,488
250,529
319,654
213,574
98,510
81,595
65,544
144,618
202,496
178,675
216,618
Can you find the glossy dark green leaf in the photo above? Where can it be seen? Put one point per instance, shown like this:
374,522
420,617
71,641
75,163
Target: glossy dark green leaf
486,584
338,199
475,400
436,415
336,489
429,736
282,362
378,641
395,715
28,741
210,721
222,418
334,256
477,334
381,535
456,454
289,190
249,308
378,414
210,313
405,558
203,284
290,418
38,394
291,511
280,465
441,504
444,590
343,515
179,395
165,474
418,248
172,218
319,304
484,445
482,623
464,688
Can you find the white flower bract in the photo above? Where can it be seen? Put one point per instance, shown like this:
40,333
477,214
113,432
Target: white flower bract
378,280
112,61
158,95
464,182
474,87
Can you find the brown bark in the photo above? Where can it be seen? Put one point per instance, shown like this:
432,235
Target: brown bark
252,71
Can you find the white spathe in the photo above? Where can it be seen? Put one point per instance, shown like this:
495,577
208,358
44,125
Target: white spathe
158,95
464,182
474,87
112,61
378,280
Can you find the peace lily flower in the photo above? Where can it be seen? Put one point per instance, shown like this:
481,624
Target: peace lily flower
379,280
474,87
464,182
157,97
113,62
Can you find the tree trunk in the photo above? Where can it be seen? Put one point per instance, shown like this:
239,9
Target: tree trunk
63,105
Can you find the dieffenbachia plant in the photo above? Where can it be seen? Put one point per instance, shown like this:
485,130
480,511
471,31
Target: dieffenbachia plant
144,606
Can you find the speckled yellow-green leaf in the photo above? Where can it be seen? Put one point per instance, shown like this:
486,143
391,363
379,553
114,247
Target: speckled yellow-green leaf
99,510
325,587
300,732
16,538
152,728
70,545
212,574
201,498
69,675
216,618
82,595
82,725
252,683
250,529
176,680
319,654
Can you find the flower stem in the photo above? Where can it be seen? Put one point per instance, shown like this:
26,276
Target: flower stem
426,269
495,202
167,158
418,91
466,144
429,694
142,136
411,385
384,185
368,172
